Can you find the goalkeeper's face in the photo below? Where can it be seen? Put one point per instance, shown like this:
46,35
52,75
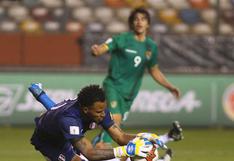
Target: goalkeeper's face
96,112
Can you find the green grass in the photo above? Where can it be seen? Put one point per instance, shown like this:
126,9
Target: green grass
198,145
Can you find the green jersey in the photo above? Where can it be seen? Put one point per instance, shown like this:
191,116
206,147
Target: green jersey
129,58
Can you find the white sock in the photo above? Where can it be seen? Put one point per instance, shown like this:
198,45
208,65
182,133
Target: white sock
165,138
165,158
160,160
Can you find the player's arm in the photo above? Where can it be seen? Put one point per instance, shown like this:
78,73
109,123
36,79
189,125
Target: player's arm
114,130
110,44
159,77
99,49
86,148
119,136
123,138
134,147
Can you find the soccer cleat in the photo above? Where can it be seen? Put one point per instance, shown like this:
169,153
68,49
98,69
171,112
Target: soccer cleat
36,89
176,131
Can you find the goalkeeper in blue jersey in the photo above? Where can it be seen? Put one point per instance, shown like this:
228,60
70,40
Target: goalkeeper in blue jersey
60,132
131,53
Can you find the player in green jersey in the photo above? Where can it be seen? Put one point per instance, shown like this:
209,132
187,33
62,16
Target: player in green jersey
131,53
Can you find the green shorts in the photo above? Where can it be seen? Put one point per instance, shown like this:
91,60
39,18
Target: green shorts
116,103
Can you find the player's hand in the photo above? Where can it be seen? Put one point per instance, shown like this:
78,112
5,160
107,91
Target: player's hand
153,138
95,50
149,136
175,92
160,144
136,147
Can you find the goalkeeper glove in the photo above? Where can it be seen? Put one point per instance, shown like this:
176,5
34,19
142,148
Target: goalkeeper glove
136,147
153,138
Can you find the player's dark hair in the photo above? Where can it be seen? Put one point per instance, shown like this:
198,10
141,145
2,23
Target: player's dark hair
133,14
89,95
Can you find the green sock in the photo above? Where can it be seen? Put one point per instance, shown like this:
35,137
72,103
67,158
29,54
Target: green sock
105,137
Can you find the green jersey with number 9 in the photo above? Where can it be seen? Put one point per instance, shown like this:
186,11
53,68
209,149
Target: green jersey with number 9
129,58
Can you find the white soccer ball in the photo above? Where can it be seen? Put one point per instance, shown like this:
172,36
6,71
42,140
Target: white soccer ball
152,156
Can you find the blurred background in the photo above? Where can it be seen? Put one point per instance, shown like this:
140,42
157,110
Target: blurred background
49,41
192,35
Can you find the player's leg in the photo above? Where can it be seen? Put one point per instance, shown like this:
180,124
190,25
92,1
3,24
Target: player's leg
119,107
167,156
176,131
125,108
41,96
55,153
174,134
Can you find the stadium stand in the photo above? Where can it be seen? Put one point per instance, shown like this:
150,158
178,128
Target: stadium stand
8,26
169,13
199,4
157,4
190,16
192,21
159,28
178,4
74,3
83,14
115,3
122,14
103,14
74,26
181,28
209,16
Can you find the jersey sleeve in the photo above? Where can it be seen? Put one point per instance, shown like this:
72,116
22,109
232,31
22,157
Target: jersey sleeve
113,42
71,128
107,122
154,58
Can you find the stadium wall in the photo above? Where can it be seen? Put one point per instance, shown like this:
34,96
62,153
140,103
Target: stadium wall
57,49
207,100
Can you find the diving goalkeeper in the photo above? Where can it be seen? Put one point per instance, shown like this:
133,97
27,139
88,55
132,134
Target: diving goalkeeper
60,132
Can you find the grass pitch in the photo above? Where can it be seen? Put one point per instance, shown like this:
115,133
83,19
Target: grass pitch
198,145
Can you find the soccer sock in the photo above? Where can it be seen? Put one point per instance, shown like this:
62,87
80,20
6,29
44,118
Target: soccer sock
45,100
41,96
165,158
105,137
165,138
161,159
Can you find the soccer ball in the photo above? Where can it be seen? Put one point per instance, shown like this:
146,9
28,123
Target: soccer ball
152,155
